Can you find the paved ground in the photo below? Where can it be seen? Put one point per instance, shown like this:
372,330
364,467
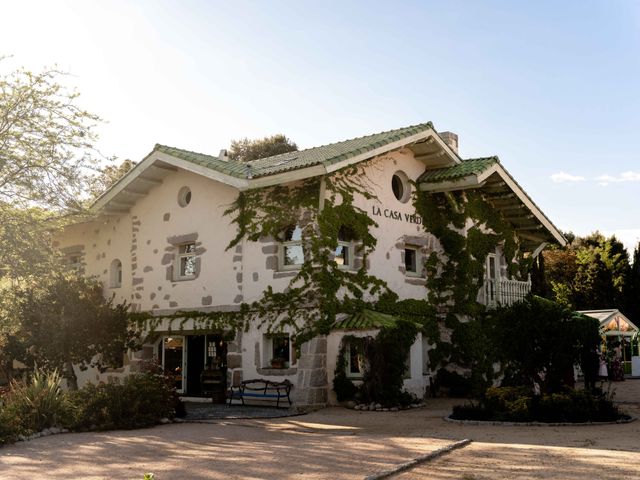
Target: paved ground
338,444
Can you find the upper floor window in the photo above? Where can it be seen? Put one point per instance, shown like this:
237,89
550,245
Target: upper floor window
343,255
186,260
73,262
291,251
412,261
184,196
115,274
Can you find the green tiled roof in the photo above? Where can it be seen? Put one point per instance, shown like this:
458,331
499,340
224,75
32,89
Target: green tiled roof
326,154
465,168
366,320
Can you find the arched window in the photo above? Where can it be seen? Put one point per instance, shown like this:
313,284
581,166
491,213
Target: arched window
115,274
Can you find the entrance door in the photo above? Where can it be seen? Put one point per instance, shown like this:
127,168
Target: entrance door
196,362
173,360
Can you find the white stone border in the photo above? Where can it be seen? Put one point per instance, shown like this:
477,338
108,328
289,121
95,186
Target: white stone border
418,460
536,424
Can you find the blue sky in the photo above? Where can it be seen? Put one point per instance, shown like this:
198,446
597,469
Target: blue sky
550,87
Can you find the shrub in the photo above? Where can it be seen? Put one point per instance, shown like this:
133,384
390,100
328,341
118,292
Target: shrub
141,400
458,385
38,403
518,404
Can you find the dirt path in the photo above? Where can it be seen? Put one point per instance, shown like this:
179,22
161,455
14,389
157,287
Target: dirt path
338,444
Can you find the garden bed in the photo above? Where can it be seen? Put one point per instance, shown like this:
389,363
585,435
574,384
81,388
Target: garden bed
518,405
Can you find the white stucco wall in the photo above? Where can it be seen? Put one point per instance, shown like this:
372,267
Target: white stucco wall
145,241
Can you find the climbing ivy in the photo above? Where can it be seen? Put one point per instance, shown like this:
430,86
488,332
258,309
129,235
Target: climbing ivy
468,229
464,223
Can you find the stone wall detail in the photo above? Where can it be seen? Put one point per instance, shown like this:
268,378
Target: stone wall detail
311,387
234,361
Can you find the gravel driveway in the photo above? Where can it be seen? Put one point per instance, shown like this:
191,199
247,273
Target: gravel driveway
336,443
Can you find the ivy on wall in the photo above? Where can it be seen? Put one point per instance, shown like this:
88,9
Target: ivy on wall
464,222
468,229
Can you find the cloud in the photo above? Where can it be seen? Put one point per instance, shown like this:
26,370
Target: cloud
629,176
562,177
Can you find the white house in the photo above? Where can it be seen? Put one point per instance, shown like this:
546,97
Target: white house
158,240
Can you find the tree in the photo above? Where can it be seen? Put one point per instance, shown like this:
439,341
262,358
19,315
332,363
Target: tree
62,320
45,141
591,272
107,177
45,145
25,242
245,150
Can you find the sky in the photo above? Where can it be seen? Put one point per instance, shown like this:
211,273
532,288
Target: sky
550,87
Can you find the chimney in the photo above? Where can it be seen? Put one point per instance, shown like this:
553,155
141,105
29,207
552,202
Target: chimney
450,139
224,156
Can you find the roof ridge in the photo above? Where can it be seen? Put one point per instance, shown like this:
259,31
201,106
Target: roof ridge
426,125
159,145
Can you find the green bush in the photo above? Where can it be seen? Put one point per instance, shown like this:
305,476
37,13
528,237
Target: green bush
458,385
38,403
517,404
141,400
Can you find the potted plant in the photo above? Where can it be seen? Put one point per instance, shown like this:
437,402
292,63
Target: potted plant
277,362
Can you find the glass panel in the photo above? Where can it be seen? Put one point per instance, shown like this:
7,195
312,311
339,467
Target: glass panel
355,358
293,255
173,350
293,234
188,248
280,345
410,260
188,266
397,187
342,255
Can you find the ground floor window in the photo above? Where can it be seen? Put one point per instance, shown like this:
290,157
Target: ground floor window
278,350
354,352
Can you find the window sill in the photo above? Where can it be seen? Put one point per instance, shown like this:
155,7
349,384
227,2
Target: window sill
285,273
184,279
277,372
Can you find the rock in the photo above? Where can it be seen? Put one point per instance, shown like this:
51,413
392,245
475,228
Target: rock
393,409
385,409
22,438
64,430
350,404
378,405
178,420
55,430
165,420
45,433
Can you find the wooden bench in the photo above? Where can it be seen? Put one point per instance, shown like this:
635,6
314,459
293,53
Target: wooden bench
260,388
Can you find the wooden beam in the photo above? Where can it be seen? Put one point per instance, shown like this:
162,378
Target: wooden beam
168,168
134,193
519,217
530,228
116,204
506,196
533,238
149,180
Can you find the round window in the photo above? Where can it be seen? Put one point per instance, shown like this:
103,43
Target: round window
401,186
184,196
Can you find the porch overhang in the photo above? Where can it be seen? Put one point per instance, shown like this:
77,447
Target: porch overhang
506,196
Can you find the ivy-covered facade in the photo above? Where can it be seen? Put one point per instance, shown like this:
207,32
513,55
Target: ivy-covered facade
281,268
